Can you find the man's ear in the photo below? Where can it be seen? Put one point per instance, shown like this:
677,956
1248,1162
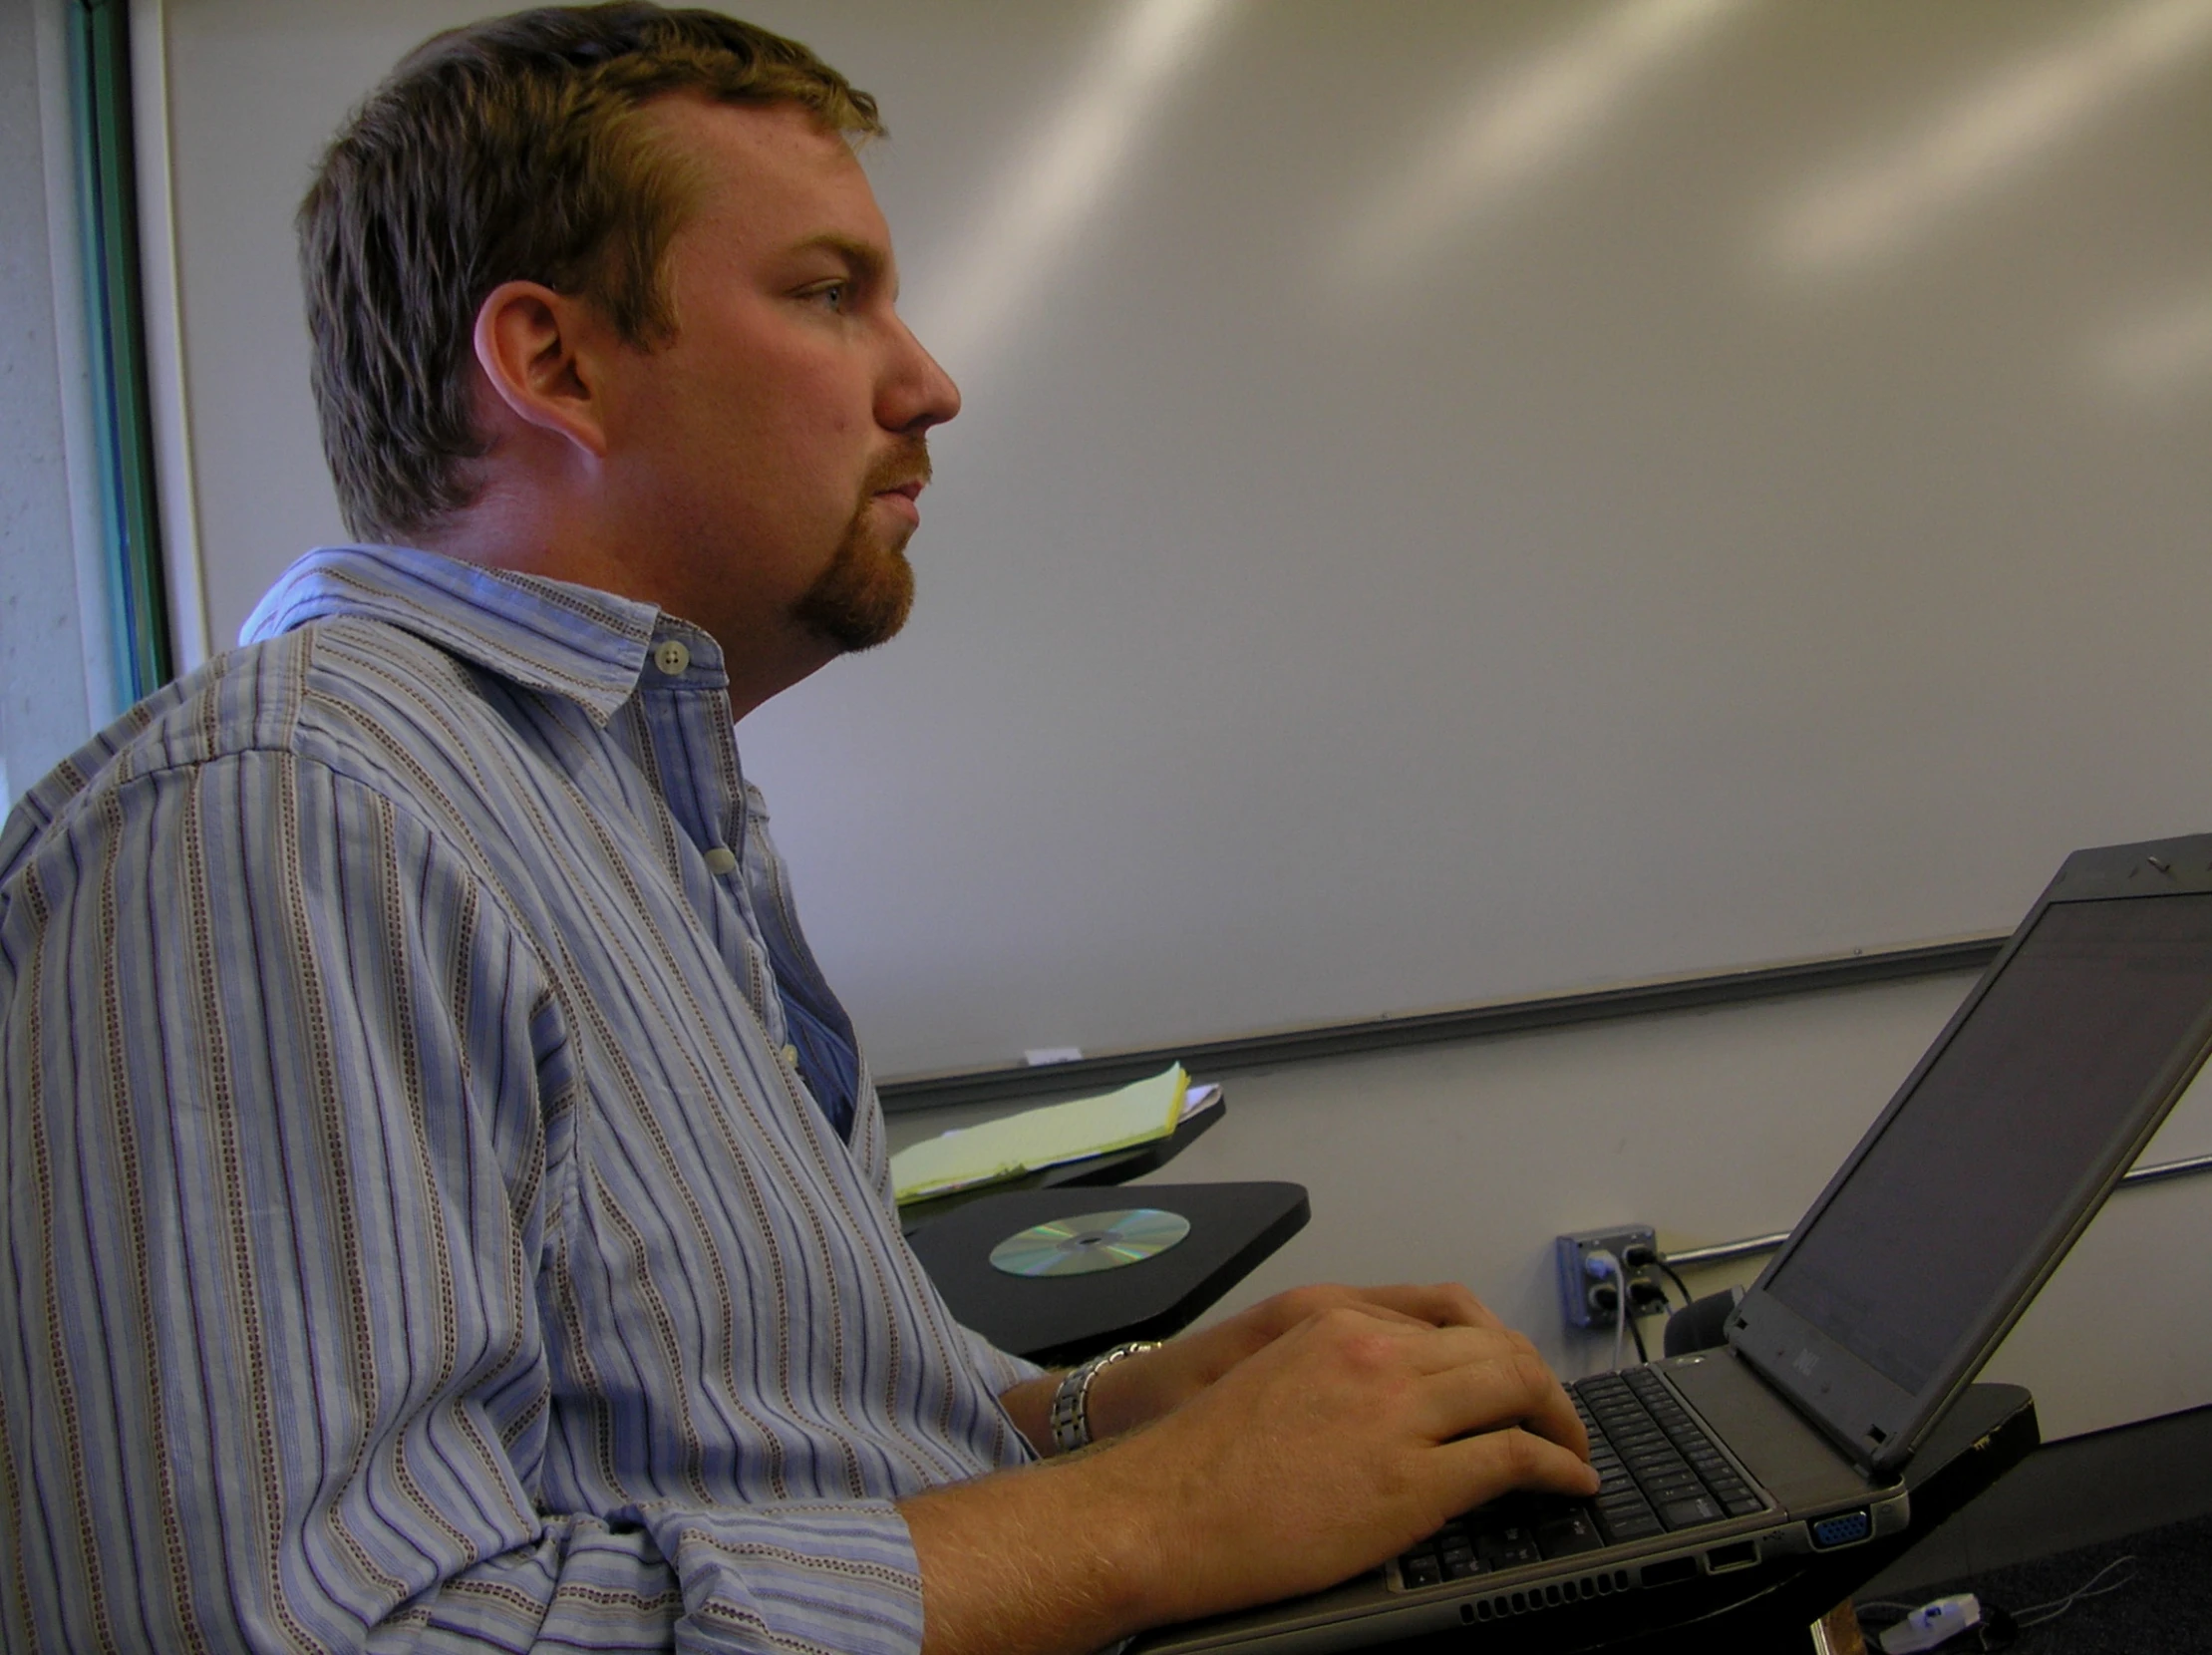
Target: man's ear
538,352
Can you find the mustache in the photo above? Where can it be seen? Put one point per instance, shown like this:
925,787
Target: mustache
907,462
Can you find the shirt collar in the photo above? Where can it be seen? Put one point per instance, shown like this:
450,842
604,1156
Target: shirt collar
587,646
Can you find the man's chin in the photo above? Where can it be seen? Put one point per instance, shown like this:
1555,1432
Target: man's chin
861,599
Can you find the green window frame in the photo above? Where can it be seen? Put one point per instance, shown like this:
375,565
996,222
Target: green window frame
130,508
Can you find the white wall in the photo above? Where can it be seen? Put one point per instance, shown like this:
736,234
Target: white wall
1462,1162
1456,500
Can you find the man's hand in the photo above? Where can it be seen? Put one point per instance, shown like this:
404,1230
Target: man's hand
1332,1445
1140,1388
1340,1445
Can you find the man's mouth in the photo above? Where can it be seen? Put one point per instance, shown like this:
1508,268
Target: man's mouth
901,498
905,474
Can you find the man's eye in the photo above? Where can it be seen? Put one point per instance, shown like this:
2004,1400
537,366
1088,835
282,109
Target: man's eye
838,296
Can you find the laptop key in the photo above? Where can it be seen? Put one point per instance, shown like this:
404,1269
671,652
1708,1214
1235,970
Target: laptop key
1421,1571
1509,1548
1743,1505
1682,1513
1563,1536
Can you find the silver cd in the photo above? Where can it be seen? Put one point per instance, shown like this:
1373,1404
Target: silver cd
1090,1242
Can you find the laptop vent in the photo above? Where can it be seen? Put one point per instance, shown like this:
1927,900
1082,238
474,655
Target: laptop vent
1508,1604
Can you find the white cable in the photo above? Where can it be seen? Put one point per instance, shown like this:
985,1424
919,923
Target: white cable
1599,1264
1620,1320
2088,1588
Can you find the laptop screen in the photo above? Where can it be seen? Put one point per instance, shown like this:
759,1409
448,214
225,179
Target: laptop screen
2035,1093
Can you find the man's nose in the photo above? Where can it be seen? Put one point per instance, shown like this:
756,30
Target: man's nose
917,393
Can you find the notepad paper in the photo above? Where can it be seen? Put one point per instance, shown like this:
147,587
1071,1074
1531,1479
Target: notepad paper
1039,1137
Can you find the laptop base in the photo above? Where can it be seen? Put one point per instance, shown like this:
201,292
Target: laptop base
1991,1429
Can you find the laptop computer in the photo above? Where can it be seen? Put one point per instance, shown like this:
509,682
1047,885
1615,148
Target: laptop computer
1913,1262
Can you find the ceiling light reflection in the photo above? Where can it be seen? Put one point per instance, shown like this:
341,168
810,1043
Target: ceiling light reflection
2159,350
1988,133
1516,124
1065,176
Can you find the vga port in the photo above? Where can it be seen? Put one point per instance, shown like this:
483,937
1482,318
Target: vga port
1844,1528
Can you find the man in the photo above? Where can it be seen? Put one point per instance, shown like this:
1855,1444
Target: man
444,1204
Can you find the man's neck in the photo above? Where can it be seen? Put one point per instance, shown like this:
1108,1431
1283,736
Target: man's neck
763,655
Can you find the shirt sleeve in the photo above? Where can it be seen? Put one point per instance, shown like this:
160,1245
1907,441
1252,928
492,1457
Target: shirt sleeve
1002,1368
286,1097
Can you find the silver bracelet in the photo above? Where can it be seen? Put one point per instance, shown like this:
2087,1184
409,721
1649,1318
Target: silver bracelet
1071,1415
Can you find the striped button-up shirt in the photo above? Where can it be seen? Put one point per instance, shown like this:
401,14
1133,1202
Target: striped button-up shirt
423,1228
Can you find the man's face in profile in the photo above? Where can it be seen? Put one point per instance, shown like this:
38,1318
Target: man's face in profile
773,448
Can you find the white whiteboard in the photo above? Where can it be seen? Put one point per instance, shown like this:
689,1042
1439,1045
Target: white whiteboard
1456,500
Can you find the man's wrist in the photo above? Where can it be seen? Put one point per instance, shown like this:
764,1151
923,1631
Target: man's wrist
1123,1397
1072,1420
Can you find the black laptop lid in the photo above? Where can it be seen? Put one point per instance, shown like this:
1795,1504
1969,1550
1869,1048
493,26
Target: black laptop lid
2000,1148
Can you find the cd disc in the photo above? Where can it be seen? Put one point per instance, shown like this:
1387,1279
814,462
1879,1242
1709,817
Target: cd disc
1090,1242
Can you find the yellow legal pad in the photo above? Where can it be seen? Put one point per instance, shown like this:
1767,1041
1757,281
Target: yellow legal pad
1037,1138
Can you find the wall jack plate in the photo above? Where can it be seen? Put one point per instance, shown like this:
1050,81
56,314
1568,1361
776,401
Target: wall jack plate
1575,1280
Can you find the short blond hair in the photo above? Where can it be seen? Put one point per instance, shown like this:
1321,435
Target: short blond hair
511,149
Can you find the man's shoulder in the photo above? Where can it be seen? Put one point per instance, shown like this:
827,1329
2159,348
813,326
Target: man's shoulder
346,694
449,692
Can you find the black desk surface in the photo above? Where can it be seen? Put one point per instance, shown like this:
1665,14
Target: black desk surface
1057,1320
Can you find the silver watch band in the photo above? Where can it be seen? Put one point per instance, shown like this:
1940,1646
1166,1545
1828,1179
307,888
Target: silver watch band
1071,1414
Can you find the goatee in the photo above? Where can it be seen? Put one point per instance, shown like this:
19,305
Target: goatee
864,595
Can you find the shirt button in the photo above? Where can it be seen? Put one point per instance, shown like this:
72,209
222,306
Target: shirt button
722,859
791,1055
671,656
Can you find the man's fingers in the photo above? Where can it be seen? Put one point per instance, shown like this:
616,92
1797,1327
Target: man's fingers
1466,1379
1435,1350
1496,1462
1441,1304
1509,1386
1383,1313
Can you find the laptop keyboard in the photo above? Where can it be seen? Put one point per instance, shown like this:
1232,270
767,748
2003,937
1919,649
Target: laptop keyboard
1660,1473
1661,1469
